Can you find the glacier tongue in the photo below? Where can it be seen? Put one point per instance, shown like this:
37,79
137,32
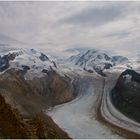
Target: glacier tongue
77,117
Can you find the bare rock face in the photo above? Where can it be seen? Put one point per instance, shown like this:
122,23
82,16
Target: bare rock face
43,57
4,63
32,96
126,94
4,60
56,88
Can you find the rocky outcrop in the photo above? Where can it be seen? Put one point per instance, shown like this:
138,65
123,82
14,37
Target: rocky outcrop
43,57
126,94
4,60
4,63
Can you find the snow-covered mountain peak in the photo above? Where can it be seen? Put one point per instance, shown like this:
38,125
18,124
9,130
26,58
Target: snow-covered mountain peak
35,63
96,60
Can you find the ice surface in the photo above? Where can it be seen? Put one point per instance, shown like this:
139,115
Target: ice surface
76,117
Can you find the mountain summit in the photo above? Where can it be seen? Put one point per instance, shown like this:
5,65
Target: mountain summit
95,60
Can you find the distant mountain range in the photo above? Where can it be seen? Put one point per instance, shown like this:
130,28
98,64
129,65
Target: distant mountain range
31,81
96,60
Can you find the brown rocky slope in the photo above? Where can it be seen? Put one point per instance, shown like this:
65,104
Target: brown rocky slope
22,102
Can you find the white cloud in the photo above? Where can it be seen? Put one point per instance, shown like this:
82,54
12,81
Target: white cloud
61,25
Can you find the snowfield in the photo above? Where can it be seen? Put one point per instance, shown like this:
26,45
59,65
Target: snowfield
77,117
31,59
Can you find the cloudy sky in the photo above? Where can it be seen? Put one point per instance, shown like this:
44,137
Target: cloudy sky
58,26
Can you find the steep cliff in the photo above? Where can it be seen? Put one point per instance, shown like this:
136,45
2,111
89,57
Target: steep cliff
126,94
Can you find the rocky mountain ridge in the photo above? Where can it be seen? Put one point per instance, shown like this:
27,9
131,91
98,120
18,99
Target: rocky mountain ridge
96,61
126,94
